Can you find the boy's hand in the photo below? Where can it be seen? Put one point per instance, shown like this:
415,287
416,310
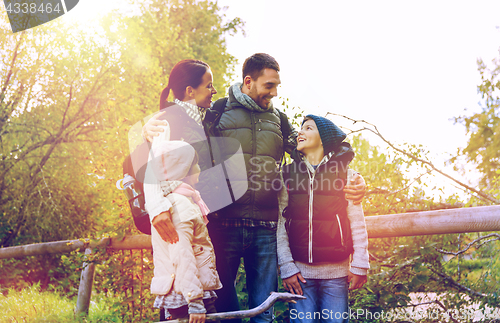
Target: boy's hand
292,285
356,281
163,224
356,189
197,318
151,129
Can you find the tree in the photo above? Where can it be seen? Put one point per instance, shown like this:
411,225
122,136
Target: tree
68,98
52,88
483,128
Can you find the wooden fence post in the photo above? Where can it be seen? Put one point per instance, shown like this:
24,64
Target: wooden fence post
85,288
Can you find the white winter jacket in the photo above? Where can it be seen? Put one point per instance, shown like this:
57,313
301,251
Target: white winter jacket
188,266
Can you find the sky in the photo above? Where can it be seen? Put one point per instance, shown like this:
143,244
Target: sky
408,67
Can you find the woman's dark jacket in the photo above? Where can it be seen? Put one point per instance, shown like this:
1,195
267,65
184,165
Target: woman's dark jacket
212,183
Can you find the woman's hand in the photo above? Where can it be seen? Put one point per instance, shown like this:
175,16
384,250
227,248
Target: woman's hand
151,129
292,284
163,224
356,189
356,281
197,318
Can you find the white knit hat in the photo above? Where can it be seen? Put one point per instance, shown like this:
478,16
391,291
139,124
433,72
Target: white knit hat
172,160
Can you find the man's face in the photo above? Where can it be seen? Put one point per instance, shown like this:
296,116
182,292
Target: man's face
264,88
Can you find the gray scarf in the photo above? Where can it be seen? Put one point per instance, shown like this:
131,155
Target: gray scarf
245,100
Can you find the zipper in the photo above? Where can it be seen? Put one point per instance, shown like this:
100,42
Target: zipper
340,228
254,154
311,199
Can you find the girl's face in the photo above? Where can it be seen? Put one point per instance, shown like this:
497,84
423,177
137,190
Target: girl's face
309,138
205,91
194,175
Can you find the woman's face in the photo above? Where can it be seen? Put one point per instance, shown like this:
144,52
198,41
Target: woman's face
205,91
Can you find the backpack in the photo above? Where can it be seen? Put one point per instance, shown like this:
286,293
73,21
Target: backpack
134,189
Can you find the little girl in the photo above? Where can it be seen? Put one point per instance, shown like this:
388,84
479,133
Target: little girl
319,229
185,278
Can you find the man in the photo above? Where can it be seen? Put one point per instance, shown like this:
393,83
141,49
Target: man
247,228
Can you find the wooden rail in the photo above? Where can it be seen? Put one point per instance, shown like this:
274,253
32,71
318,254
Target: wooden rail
130,242
474,219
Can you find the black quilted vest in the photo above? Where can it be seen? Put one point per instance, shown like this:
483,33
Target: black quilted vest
327,238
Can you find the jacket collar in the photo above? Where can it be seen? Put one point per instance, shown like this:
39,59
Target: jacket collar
244,100
343,153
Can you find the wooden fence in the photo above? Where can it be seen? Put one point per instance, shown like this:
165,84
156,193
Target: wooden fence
474,219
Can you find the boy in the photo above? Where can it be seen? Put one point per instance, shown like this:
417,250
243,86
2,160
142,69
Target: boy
318,228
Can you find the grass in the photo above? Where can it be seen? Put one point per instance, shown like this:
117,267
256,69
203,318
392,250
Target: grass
32,305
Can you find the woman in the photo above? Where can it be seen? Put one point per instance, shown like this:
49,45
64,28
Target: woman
191,82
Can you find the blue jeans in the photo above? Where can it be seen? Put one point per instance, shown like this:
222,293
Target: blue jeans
257,246
327,301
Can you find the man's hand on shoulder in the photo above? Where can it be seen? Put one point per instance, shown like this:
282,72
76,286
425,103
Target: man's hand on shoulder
152,127
355,190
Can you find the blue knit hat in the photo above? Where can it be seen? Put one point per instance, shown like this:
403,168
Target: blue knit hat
331,135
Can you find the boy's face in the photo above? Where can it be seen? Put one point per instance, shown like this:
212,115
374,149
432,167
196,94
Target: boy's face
309,139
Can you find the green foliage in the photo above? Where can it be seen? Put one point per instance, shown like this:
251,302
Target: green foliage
68,99
34,305
124,277
46,113
483,128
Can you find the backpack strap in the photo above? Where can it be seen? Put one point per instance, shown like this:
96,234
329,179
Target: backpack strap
214,114
285,132
219,105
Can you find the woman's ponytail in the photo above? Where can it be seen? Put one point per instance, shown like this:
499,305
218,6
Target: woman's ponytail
164,97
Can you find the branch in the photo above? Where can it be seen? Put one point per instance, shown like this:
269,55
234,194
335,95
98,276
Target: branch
388,193
9,74
414,180
68,105
376,132
457,285
467,247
